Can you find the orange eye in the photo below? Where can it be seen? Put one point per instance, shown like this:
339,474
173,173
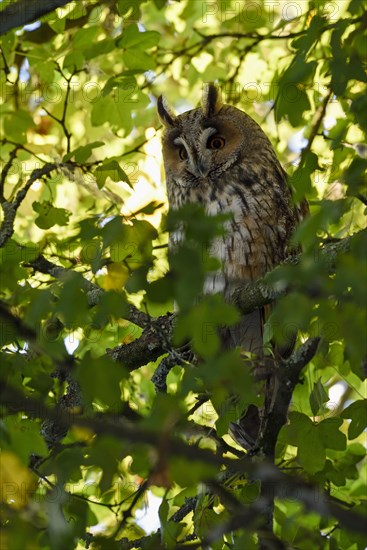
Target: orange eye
182,153
216,142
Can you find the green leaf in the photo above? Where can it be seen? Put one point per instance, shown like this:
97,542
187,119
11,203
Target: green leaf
16,125
307,40
57,24
77,512
342,466
49,215
72,304
134,44
38,305
110,169
102,47
66,464
111,305
160,3
116,111
291,313
84,37
188,274
292,103
166,413
82,153
162,290
301,180
130,8
311,451
355,174
132,37
106,454
298,72
126,85
201,324
303,434
318,397
25,437
229,381
325,214
138,60
186,472
338,60
12,256
312,439
331,436
169,529
245,540
292,100
359,109
205,519
100,381
74,61
130,243
230,409
357,412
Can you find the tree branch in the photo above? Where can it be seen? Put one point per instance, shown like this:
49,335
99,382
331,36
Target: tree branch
277,483
5,172
247,298
151,343
26,11
259,293
146,348
93,291
10,208
319,117
288,375
62,120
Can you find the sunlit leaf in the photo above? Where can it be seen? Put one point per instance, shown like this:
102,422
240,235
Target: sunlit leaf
49,215
318,397
110,169
18,482
357,412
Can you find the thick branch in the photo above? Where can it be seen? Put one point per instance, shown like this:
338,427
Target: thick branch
148,347
26,11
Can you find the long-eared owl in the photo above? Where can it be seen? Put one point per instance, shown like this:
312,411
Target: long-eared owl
218,156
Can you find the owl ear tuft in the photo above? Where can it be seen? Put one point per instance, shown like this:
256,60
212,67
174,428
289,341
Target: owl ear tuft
212,100
165,113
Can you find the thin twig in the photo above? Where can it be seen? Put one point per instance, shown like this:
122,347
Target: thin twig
5,172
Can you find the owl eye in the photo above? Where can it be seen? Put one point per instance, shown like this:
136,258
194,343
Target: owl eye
182,153
216,142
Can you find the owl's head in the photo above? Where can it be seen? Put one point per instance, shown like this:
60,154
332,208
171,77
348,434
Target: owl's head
202,144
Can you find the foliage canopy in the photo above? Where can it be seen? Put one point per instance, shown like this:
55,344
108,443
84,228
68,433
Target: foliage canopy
101,404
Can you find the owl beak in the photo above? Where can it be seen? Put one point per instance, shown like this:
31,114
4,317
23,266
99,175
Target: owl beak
201,168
